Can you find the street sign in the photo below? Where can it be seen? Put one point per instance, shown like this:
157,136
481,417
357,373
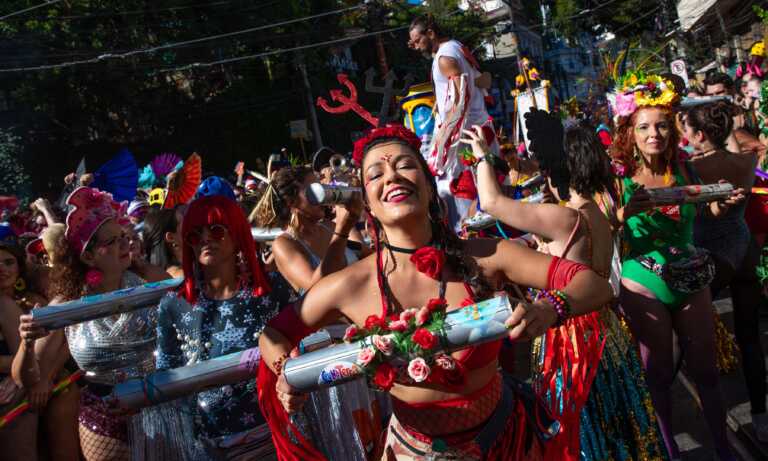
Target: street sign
299,129
678,68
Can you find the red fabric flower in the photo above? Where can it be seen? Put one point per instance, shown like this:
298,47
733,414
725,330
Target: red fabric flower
374,321
384,376
436,303
429,261
390,131
424,338
464,186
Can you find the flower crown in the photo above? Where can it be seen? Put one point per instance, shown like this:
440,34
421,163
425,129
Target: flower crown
636,89
389,131
91,209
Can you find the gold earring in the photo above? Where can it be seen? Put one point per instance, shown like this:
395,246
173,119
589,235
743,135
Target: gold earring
20,285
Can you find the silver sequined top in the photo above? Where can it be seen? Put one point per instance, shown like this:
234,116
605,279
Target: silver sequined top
113,349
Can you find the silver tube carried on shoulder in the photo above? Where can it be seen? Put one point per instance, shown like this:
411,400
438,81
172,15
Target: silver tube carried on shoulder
166,385
325,194
468,326
266,234
102,305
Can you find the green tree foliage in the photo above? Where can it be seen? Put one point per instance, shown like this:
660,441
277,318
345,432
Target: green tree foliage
627,19
152,102
13,177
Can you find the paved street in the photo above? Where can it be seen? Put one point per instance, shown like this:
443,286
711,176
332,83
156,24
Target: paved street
690,429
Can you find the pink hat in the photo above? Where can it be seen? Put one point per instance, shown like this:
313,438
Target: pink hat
92,208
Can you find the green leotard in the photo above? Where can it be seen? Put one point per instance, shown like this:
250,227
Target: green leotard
665,239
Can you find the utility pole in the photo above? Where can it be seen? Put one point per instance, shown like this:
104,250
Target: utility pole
301,64
376,22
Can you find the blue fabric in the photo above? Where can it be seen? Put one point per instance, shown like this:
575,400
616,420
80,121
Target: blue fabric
215,185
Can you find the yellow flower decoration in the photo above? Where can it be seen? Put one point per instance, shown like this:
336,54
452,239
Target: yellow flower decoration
758,49
520,80
660,93
633,80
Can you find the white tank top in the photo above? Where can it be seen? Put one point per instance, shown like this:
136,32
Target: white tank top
444,98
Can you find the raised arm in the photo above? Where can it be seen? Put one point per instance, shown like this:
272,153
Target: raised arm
293,261
546,220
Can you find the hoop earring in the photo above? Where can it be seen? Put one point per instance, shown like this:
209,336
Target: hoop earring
293,223
20,285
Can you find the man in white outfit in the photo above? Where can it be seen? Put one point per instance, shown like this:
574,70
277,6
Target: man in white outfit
451,60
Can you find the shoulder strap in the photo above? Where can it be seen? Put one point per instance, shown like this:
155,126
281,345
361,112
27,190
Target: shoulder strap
569,242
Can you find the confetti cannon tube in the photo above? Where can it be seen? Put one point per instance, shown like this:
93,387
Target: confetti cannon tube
468,326
102,305
167,385
690,194
266,234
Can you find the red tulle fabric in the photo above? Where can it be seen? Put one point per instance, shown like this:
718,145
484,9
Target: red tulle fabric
279,422
290,325
572,355
464,186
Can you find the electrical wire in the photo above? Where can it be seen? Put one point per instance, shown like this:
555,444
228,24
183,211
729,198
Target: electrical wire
155,49
280,51
31,8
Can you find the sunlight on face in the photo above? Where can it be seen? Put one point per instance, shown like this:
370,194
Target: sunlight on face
395,185
652,130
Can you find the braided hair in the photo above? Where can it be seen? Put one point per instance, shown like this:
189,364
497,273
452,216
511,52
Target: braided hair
274,207
714,119
442,236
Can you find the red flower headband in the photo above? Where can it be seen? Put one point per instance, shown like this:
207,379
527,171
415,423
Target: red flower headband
389,131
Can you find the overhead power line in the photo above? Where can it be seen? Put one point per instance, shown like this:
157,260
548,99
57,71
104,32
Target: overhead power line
25,10
109,56
280,51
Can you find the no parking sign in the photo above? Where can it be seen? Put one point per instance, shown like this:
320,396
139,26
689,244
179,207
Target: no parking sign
678,68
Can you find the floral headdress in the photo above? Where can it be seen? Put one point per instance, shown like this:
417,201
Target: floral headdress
91,209
389,131
636,89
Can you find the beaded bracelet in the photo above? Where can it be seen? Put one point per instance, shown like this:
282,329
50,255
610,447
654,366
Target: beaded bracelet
559,302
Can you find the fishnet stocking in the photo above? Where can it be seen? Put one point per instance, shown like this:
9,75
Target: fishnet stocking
101,448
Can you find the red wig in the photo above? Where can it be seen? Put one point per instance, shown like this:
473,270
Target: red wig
217,209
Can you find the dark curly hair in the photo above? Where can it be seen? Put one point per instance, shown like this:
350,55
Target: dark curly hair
717,78
274,208
67,277
714,119
588,164
623,147
425,23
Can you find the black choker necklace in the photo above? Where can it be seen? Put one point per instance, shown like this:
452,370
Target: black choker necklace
408,251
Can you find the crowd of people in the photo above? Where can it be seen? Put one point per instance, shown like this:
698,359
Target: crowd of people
605,277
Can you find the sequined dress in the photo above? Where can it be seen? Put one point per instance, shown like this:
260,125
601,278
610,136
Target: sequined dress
111,350
187,334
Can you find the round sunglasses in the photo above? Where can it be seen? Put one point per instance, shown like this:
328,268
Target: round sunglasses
215,232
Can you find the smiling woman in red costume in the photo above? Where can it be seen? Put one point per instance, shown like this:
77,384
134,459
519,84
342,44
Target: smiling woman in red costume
472,415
